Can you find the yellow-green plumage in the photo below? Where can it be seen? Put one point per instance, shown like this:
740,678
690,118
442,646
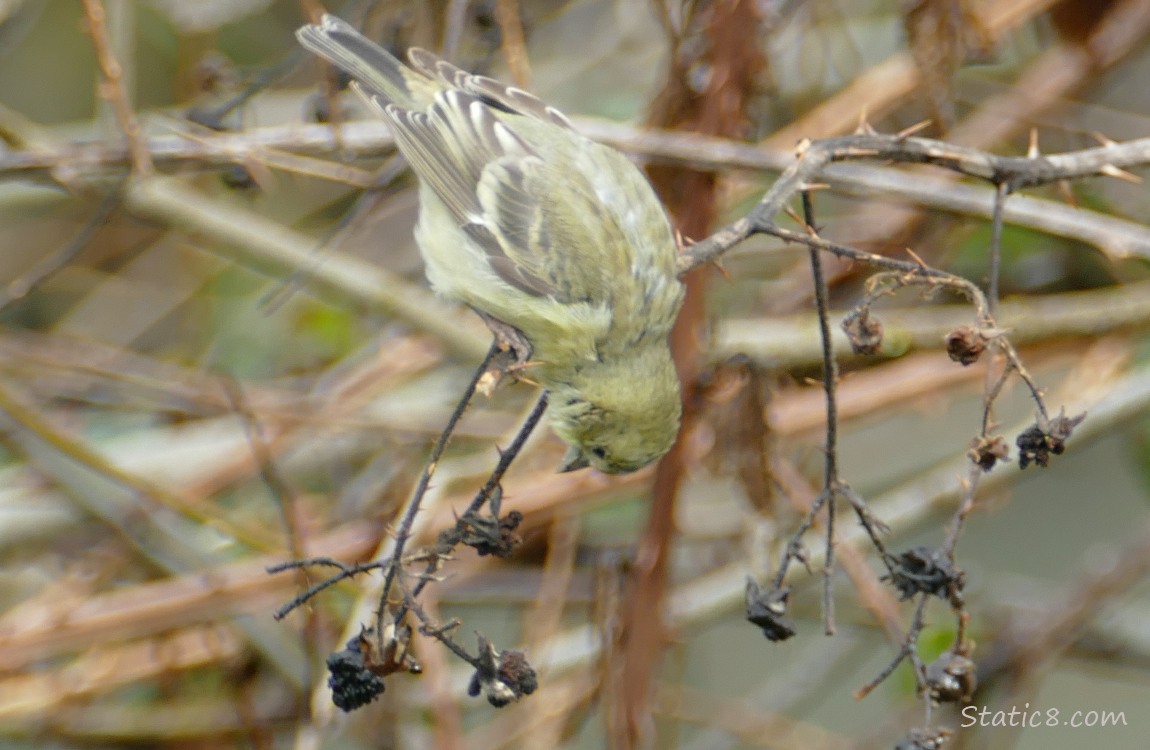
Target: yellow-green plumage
540,228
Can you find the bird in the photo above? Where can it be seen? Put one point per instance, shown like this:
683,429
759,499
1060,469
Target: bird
558,242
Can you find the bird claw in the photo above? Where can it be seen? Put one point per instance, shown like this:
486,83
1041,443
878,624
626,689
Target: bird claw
513,358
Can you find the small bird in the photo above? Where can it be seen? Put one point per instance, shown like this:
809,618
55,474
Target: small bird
540,229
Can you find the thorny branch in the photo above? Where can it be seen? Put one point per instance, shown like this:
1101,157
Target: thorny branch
294,147
919,573
1014,172
357,671
830,449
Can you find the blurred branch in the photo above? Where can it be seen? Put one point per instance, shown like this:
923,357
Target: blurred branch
148,609
267,245
883,86
1016,172
1034,638
288,147
53,262
21,420
112,86
43,694
1112,235
514,45
167,540
790,342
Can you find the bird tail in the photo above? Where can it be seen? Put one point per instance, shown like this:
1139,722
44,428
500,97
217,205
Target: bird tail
377,70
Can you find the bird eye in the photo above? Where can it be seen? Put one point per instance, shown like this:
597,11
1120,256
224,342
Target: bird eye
598,451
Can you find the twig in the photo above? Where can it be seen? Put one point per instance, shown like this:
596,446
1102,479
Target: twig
263,458
49,265
111,88
371,139
345,572
908,651
491,488
509,454
514,46
270,247
995,270
830,382
403,533
1014,172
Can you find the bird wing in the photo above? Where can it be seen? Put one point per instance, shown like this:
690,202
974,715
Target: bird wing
505,197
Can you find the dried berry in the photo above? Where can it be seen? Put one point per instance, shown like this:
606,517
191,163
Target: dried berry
921,570
489,535
503,676
951,678
768,610
353,683
965,345
924,739
1044,437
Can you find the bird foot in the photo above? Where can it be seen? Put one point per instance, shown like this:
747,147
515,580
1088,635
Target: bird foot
513,358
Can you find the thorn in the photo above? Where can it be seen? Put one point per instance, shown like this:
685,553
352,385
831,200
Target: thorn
1102,139
1120,174
798,219
1067,191
682,241
916,258
717,263
802,146
1032,151
864,126
917,127
523,379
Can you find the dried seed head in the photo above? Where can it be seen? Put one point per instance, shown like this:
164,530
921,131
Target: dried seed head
965,345
768,610
864,333
988,451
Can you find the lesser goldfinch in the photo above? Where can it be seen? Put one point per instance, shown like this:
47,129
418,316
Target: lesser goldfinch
537,227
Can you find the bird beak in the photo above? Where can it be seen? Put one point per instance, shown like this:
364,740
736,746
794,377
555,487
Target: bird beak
573,461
